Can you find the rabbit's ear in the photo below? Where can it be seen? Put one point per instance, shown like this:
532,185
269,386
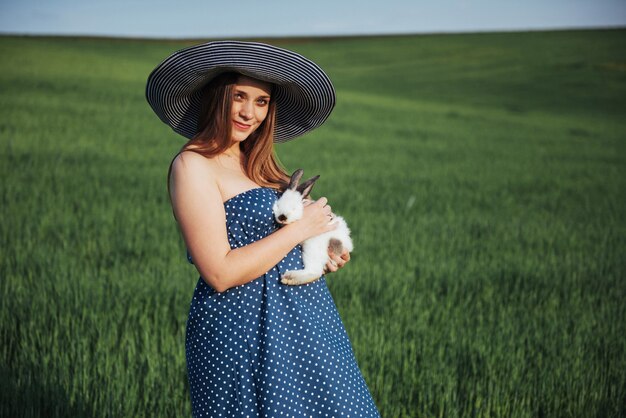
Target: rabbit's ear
295,178
305,188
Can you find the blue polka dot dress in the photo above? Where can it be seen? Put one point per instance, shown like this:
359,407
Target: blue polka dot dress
264,349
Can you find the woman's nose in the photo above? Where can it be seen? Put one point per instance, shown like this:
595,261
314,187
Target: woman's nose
246,110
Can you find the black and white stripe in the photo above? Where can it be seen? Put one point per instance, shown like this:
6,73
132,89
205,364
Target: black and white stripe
303,93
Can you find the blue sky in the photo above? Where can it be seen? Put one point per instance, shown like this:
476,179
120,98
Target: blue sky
249,18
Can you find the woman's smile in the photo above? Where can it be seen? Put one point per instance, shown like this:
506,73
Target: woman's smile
241,126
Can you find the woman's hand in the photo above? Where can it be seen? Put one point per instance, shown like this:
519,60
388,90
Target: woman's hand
336,261
316,219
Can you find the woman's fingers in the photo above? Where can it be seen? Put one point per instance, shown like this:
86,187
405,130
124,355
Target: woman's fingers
345,255
336,261
316,218
321,201
327,211
331,267
341,259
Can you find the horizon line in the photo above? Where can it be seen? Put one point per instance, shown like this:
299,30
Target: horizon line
304,37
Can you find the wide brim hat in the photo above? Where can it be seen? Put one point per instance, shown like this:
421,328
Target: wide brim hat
303,93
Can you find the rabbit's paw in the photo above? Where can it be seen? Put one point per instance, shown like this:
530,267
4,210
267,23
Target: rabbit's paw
298,277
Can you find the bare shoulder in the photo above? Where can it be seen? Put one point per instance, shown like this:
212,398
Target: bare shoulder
190,166
194,187
192,162
192,173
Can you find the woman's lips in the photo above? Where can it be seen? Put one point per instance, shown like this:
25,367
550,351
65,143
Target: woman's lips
241,126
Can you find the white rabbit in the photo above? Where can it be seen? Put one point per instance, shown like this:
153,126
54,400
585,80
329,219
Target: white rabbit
287,209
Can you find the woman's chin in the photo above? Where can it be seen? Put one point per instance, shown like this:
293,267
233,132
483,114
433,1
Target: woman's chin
239,138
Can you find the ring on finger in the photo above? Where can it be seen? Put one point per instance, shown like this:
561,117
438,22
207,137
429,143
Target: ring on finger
333,263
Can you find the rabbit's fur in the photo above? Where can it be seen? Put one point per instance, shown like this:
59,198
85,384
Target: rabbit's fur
287,209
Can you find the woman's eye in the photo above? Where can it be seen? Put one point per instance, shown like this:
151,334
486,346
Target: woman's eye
262,102
238,96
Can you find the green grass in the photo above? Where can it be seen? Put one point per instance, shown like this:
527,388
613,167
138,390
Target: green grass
483,177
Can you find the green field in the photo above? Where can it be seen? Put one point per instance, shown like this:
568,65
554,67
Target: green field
483,176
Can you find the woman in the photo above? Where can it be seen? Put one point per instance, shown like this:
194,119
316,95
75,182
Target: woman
254,347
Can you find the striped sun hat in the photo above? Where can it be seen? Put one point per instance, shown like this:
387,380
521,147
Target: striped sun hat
303,93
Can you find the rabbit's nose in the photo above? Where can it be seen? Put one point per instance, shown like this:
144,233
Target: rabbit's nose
282,218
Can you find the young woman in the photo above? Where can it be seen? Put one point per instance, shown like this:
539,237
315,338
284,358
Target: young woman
254,347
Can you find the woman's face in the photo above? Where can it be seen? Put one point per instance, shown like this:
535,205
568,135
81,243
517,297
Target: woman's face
251,99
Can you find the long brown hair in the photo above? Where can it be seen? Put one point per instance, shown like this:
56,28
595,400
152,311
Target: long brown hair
259,162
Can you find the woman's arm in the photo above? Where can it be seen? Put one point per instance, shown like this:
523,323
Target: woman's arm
199,210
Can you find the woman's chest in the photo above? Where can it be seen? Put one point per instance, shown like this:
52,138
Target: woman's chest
232,182
249,215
